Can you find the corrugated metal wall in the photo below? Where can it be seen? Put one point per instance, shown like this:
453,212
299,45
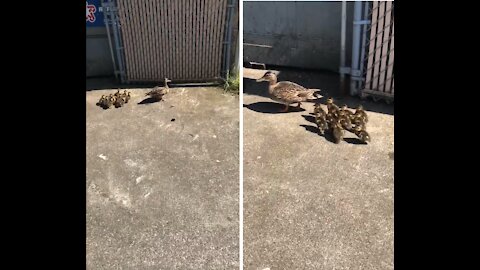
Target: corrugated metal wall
379,79
175,39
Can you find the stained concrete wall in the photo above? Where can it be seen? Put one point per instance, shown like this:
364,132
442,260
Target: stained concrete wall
296,34
98,56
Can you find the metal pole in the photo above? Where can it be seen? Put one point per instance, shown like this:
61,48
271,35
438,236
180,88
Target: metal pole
357,16
236,64
107,20
230,6
342,50
121,48
115,30
364,41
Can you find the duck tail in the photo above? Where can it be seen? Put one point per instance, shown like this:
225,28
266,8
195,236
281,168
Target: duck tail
315,93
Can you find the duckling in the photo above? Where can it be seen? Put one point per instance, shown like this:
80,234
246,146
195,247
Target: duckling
331,118
287,92
318,111
332,107
119,102
127,97
362,134
344,120
117,94
320,119
109,101
101,100
322,124
338,132
360,112
359,122
158,92
106,102
348,113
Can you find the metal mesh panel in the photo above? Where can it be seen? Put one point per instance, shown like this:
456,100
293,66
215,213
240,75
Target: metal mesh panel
181,40
378,69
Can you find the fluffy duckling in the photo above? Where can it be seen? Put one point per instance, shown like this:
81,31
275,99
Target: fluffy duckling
101,100
331,118
332,108
360,113
362,134
117,94
109,101
338,132
318,111
348,113
359,122
320,119
119,102
126,96
344,120
322,124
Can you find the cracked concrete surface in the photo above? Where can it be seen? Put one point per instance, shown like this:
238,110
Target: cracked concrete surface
310,203
162,181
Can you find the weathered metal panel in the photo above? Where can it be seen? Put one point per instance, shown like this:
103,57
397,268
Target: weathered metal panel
175,39
295,34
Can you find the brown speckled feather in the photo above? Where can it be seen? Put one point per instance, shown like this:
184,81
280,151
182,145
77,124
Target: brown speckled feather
158,91
289,92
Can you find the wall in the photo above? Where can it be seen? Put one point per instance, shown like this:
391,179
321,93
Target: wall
296,34
98,56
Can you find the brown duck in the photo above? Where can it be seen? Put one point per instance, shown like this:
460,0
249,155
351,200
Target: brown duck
158,92
287,92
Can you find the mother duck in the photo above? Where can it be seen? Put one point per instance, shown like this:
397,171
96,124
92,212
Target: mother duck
158,92
287,92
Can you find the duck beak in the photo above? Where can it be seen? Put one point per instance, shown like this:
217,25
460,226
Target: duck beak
260,80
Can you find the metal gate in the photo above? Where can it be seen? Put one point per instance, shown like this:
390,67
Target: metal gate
378,61
183,40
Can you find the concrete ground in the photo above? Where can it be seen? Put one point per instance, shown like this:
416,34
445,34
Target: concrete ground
310,203
162,180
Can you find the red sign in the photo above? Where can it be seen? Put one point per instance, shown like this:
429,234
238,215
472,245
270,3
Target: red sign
91,9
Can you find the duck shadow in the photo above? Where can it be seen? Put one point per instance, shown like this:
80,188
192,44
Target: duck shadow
329,136
354,141
270,107
148,101
310,118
